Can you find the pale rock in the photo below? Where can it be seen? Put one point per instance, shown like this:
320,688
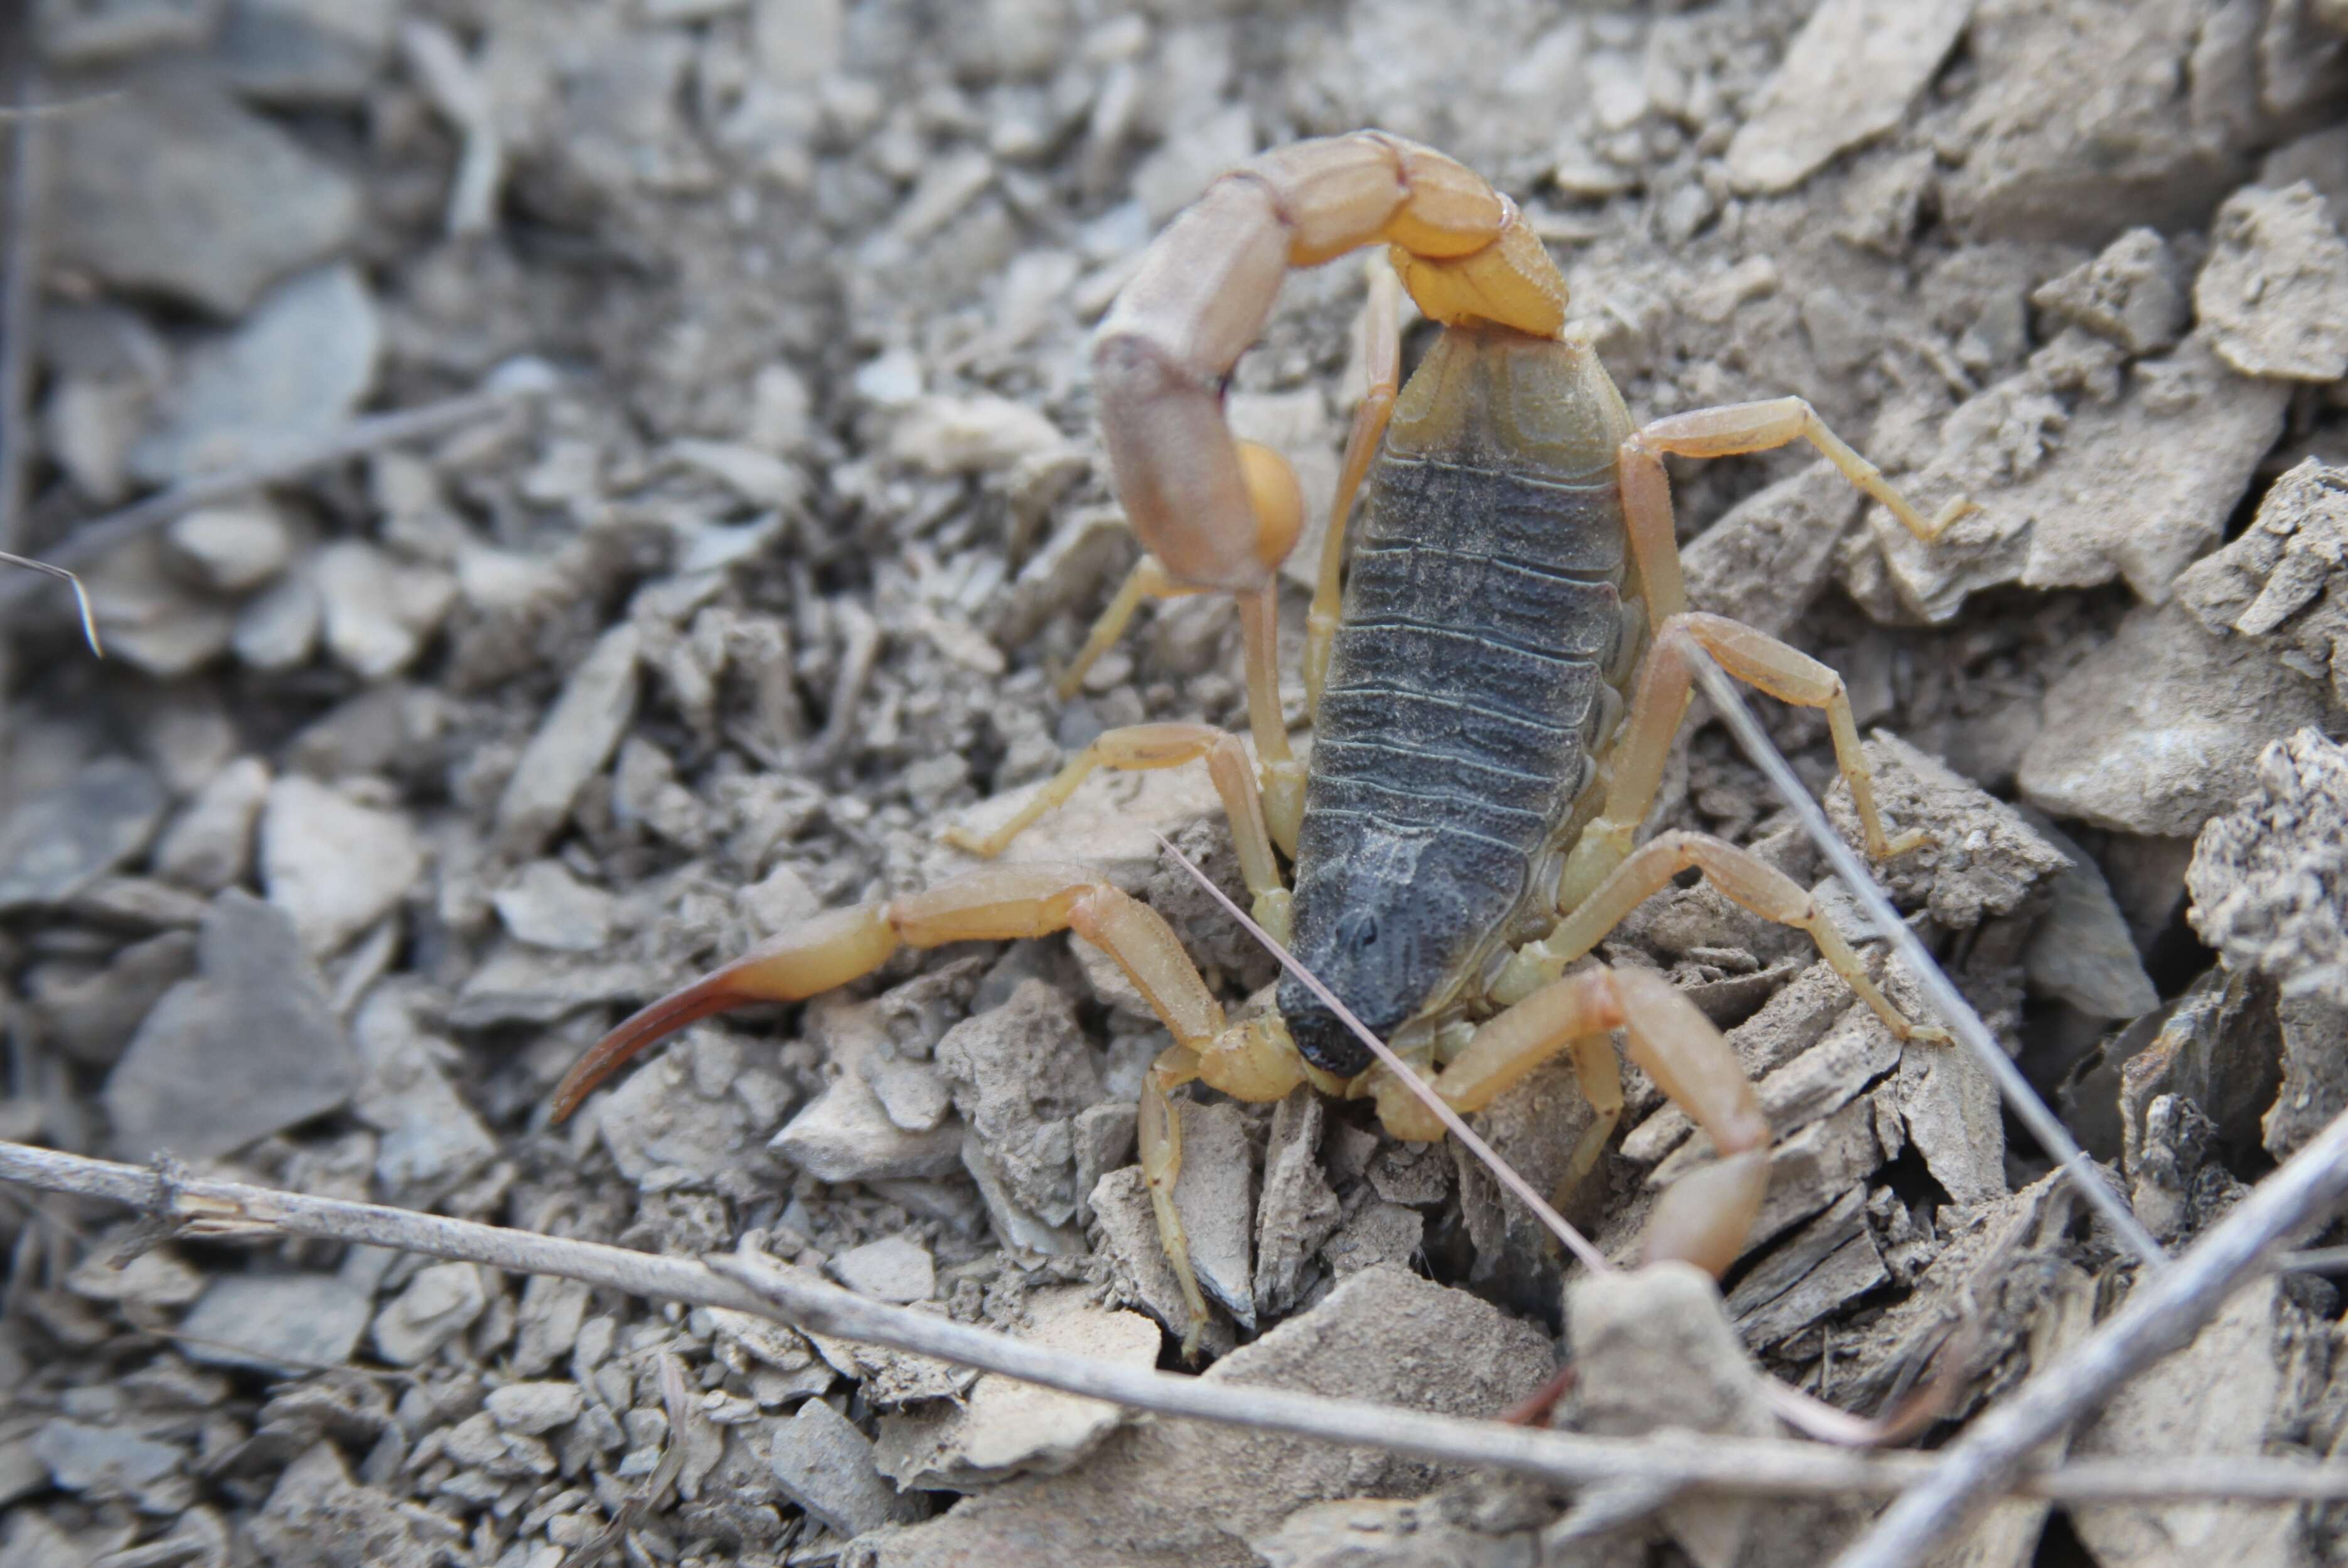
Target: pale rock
574,743
546,907
2274,295
547,1323
250,1047
91,1014
159,1277
517,983
1020,1072
284,1324
2247,1380
2133,293
825,1465
1298,1210
277,629
1111,824
430,1135
1215,1195
305,52
378,609
2160,729
2270,879
438,1304
1377,1233
106,1462
233,547
894,1269
2284,582
182,191
534,1410
845,1134
2156,162
1948,1104
679,1121
335,866
209,845
317,1514
57,844
1848,78
971,435
913,1093
1983,858
1176,1494
2082,951
1655,1351
150,619
2083,467
1771,555
758,477
1008,1428
289,372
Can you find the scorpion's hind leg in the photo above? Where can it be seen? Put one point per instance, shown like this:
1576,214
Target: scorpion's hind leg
998,903
1704,1217
1745,877
1139,747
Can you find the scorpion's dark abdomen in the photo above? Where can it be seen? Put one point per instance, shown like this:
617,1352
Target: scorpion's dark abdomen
1481,614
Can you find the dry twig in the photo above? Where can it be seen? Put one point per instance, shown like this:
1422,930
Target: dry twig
2163,1313
93,539
750,1282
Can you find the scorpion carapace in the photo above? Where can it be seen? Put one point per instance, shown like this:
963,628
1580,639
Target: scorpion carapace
1495,692
1478,666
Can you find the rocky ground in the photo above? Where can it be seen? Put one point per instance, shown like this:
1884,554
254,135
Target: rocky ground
405,775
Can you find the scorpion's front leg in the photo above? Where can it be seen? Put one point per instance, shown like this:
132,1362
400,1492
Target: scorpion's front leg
1704,1217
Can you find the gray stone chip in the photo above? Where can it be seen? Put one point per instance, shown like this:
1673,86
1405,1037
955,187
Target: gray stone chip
249,1047
57,844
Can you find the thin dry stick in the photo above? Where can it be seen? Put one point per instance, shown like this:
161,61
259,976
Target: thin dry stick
754,1284
81,596
96,538
1946,999
2164,1314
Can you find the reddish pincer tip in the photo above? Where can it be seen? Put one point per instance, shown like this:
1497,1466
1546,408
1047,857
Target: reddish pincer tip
705,998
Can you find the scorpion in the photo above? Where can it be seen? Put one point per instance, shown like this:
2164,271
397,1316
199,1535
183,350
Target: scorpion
1493,687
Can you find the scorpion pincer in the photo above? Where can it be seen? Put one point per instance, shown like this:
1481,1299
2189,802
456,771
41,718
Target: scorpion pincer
1493,699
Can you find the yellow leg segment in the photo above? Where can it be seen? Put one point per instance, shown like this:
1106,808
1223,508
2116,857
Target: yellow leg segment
1737,428
1743,875
1139,747
1704,1218
1645,742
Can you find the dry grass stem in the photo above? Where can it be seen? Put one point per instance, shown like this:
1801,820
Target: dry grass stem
91,540
198,1208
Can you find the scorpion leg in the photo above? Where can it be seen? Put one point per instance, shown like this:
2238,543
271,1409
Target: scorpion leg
1656,708
1703,1218
1382,352
1745,877
995,903
1740,427
1138,747
1278,506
